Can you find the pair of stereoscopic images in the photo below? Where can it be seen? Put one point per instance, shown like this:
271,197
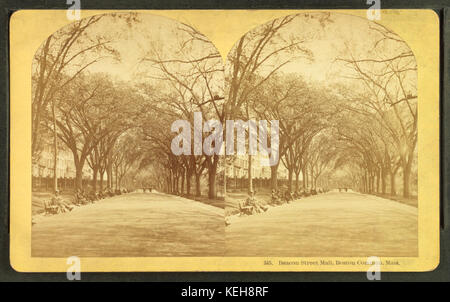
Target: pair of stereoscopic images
148,141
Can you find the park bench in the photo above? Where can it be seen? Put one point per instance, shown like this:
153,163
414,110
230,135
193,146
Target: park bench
253,208
247,210
50,208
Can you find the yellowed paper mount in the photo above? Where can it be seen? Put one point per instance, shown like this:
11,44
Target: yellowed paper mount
224,140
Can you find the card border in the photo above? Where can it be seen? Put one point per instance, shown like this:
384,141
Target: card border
445,205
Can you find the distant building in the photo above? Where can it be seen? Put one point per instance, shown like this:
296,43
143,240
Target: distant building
260,168
65,167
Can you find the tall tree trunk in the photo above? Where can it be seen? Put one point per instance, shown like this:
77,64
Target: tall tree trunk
372,182
116,178
383,181
169,183
290,174
212,170
304,177
174,180
198,191
366,182
393,189
297,174
225,177
94,179
378,180
55,150
307,177
188,181
101,181
250,180
406,178
274,176
78,177
109,172
182,181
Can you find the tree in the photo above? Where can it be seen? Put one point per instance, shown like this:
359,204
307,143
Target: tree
192,75
89,111
257,58
389,75
125,154
62,58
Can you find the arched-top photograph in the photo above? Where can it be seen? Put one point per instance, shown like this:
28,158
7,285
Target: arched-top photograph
341,90
105,92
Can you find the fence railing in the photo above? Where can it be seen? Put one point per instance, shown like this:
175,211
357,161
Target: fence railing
44,184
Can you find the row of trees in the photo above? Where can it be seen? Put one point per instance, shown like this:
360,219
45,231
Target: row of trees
186,77
259,89
189,75
94,119
365,124
378,128
118,128
74,109
304,113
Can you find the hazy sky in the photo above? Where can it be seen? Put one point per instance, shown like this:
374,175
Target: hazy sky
133,43
333,41
330,42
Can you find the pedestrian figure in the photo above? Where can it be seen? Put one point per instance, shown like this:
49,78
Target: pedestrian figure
60,204
274,197
80,198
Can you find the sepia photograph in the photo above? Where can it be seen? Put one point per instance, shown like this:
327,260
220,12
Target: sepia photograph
106,90
176,141
342,92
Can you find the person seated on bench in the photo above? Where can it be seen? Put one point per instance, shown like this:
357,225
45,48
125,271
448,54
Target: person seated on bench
80,198
92,197
57,205
50,207
287,196
274,196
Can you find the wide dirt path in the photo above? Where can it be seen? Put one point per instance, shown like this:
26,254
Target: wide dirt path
332,224
133,225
